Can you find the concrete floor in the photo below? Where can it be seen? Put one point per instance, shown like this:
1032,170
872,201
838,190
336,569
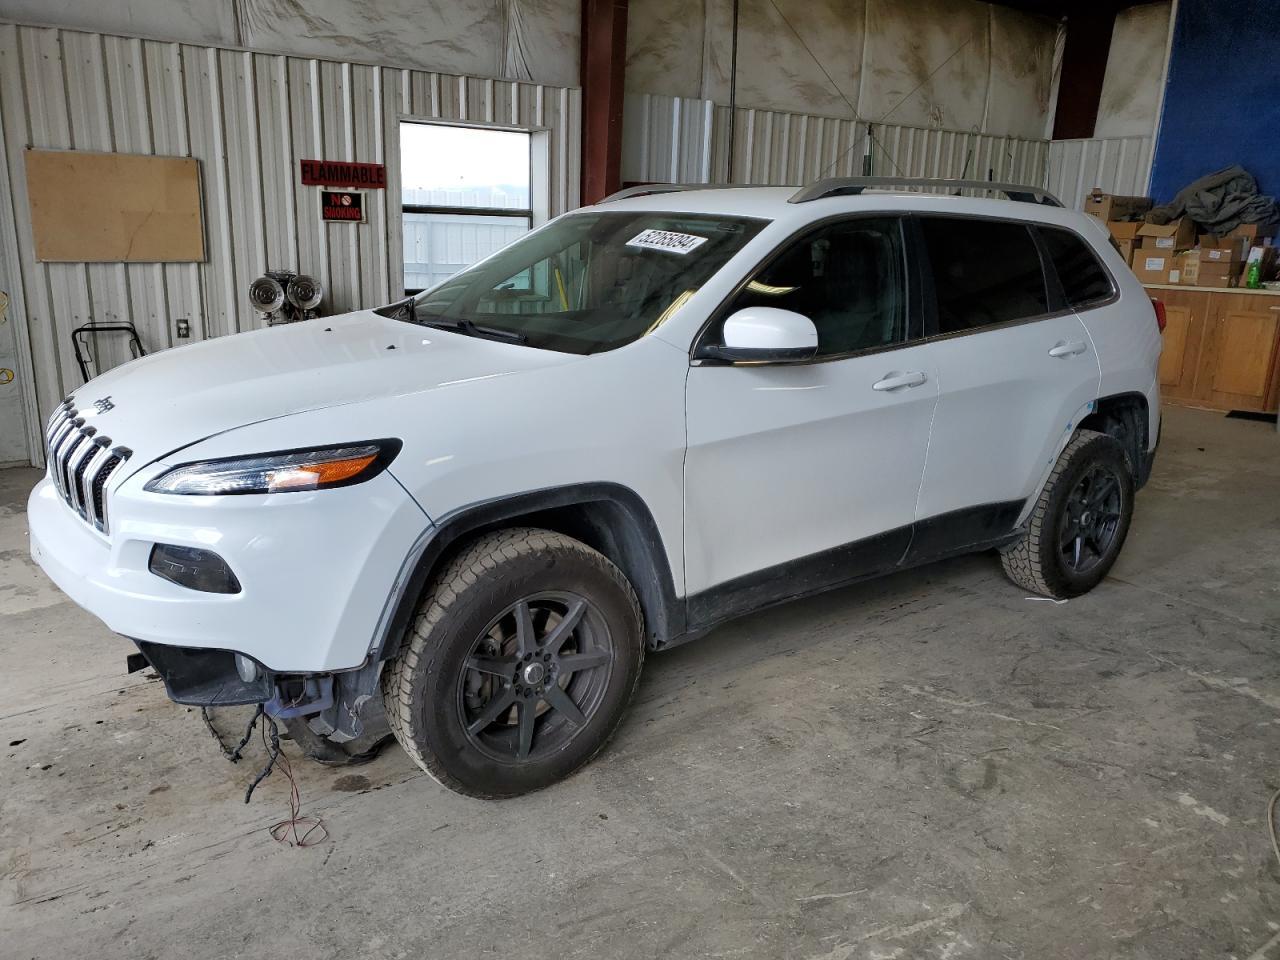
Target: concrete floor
932,765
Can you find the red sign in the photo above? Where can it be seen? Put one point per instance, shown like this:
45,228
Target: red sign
342,205
338,173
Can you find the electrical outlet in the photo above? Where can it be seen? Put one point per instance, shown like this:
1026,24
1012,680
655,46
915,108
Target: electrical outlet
184,328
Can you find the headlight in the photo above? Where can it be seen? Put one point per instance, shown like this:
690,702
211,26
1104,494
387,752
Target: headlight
289,470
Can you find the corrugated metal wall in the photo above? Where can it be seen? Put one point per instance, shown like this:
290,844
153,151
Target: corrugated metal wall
249,118
677,139
1116,165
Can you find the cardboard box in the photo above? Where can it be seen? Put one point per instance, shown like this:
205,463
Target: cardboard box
1127,249
1231,247
1124,230
1218,274
1222,254
1188,266
1154,266
1212,267
1109,206
1254,231
1172,237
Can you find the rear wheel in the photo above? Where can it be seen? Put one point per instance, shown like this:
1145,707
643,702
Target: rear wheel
523,656
1079,522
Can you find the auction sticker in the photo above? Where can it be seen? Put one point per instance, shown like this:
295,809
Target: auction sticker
667,240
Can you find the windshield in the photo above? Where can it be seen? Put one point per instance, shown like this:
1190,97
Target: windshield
585,283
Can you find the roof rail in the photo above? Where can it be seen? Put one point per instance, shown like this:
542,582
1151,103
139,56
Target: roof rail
852,186
651,188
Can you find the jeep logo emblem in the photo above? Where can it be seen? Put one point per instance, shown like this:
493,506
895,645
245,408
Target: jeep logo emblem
103,405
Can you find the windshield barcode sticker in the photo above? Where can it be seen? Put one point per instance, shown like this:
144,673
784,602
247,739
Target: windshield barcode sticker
680,243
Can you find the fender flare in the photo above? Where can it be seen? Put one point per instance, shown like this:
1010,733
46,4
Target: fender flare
631,541
1144,456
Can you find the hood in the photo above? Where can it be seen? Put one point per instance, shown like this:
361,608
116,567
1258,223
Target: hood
165,401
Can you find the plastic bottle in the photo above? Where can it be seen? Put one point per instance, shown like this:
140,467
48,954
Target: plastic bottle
1253,276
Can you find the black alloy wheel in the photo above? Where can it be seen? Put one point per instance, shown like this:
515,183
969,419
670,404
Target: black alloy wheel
1079,521
1091,519
524,652
536,676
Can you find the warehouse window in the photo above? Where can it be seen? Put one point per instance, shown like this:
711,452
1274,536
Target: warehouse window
465,195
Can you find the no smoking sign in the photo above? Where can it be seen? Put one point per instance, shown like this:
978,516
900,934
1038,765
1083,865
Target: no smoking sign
342,205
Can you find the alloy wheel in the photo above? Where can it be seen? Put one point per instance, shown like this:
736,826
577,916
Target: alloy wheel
535,677
1091,519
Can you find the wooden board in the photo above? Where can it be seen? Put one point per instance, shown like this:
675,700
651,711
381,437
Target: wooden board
114,207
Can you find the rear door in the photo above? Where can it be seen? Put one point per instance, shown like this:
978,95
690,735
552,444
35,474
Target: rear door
1015,366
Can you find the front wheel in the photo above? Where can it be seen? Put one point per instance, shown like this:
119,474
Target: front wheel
521,661
1079,522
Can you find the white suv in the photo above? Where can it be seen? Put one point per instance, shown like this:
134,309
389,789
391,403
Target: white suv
482,504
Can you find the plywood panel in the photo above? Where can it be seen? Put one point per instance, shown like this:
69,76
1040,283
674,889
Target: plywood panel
114,207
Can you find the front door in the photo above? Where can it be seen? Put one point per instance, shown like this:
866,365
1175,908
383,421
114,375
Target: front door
799,476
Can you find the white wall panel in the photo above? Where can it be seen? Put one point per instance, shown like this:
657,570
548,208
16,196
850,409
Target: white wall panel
684,140
1116,165
1135,76
248,118
949,64
530,40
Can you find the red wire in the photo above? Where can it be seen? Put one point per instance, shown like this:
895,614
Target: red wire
286,831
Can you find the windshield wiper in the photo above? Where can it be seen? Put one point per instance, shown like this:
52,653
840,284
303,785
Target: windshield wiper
472,329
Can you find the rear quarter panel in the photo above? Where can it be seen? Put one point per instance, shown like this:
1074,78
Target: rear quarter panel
1124,333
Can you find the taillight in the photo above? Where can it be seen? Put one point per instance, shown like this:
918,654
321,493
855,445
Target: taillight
1159,308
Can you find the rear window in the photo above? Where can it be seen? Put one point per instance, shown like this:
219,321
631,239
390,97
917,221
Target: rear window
1084,281
984,272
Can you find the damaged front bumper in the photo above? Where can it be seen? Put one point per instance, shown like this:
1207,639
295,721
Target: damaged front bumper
332,704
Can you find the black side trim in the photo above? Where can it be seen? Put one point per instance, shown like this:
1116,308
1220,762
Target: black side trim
1149,459
949,534
204,678
615,520
798,578
962,530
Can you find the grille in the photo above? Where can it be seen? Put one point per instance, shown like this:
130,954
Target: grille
81,461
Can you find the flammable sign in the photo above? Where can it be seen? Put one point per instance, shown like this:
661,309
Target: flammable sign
343,205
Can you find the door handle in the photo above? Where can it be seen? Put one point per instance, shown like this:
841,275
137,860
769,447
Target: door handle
1065,348
896,381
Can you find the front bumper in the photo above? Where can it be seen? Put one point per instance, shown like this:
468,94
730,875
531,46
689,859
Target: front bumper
316,568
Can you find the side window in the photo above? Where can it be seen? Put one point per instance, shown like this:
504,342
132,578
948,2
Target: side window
1083,278
847,277
984,272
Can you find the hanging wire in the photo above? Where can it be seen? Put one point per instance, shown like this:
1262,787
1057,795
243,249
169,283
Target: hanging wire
286,831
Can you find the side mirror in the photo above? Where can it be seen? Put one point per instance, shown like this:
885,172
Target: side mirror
765,335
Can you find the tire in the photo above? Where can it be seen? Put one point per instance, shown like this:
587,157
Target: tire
1058,556
521,660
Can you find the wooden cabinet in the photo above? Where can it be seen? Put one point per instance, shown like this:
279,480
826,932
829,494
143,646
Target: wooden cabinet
1221,348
